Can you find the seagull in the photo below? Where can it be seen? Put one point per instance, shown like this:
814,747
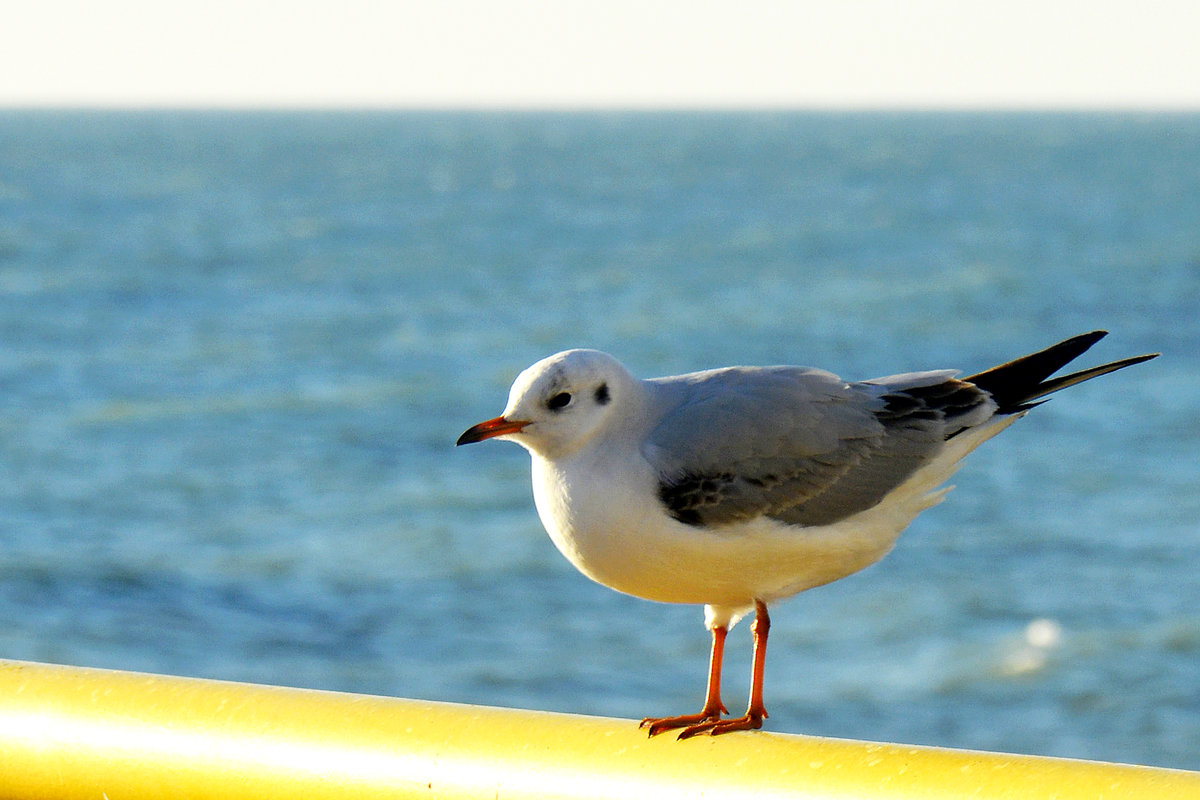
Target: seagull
736,488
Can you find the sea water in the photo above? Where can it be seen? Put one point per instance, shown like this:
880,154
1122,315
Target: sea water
236,350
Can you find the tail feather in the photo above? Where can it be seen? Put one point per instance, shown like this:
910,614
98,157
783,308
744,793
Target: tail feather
1016,384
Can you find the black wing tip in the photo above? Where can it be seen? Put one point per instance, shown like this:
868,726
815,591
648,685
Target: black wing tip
1075,344
1014,384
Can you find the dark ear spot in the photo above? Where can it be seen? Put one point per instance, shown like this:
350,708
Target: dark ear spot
602,396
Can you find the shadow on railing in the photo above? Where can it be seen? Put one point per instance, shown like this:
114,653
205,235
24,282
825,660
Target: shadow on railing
68,732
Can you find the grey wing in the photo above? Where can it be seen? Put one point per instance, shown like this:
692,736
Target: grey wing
801,446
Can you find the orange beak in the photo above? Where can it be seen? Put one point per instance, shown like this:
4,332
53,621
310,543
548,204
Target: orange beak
492,427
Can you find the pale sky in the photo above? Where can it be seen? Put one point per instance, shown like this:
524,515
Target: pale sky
598,53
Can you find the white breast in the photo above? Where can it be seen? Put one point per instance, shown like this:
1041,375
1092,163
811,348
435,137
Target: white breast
605,518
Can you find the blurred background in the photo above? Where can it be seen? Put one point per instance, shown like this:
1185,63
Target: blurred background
237,345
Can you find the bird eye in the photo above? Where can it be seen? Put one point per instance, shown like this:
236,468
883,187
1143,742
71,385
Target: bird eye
559,401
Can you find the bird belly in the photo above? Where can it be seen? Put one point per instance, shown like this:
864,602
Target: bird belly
633,546
614,530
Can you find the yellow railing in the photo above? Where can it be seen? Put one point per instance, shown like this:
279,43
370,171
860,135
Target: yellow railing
67,732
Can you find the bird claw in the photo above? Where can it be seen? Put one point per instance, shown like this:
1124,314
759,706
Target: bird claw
708,722
656,725
715,727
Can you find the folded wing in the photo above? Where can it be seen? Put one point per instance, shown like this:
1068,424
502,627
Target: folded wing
801,445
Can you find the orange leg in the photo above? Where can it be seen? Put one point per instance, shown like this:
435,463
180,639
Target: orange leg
713,707
755,712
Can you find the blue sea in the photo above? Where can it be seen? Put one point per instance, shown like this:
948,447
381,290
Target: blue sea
236,350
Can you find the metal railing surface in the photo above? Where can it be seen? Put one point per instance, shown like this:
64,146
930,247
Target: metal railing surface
69,732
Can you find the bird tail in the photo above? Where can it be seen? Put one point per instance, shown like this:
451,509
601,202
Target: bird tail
1016,384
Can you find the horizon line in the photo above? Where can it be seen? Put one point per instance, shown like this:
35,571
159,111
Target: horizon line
614,107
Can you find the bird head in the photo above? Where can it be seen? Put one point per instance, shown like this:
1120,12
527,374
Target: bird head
559,403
